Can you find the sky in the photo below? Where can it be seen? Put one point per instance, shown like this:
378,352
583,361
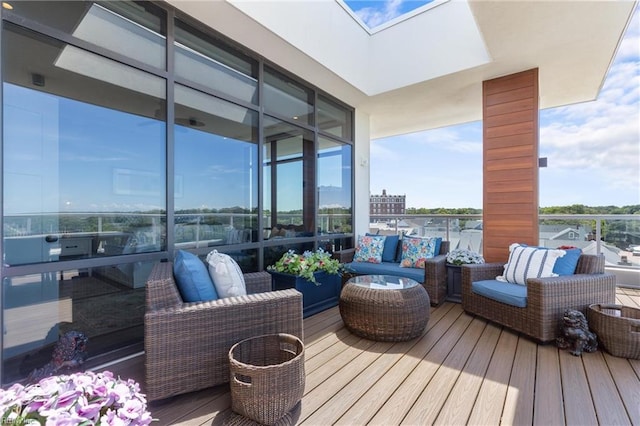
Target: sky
593,148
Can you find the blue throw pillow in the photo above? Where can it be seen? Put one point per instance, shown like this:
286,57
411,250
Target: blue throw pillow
566,265
438,244
192,278
390,245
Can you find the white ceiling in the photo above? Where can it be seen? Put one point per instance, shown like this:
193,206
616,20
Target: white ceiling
426,71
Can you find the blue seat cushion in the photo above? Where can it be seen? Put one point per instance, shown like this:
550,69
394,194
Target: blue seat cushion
192,278
511,294
386,268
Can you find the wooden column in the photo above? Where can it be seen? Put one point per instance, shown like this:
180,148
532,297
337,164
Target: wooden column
510,163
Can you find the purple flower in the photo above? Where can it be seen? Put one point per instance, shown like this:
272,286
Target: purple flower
80,398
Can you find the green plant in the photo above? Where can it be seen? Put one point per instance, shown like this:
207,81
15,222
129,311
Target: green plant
305,264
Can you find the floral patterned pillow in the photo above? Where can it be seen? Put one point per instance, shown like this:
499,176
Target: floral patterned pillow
416,250
369,249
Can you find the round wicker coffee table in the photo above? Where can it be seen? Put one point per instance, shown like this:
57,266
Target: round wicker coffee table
384,308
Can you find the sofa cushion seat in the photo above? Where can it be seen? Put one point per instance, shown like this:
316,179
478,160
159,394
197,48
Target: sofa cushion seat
511,294
387,268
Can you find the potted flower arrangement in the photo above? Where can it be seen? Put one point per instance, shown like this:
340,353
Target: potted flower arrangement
313,273
463,257
85,398
455,259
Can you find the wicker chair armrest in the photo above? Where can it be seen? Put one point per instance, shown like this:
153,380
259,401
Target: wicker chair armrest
257,282
438,262
583,289
345,255
481,271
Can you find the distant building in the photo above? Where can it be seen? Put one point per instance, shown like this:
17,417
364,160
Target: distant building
387,204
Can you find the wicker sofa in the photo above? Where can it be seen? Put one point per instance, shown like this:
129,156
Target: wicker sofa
187,344
433,277
547,298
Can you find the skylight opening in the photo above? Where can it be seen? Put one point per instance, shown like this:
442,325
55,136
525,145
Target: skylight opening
377,15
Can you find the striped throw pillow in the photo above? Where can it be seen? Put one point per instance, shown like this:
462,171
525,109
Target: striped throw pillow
529,262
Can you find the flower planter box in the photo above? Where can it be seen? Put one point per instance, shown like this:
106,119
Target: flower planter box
454,283
315,297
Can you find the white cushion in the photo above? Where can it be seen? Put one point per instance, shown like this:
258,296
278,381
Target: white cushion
529,262
226,275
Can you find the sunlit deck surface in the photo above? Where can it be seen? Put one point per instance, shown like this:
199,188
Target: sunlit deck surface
462,370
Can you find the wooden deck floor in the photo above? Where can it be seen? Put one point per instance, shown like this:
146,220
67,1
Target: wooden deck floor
462,370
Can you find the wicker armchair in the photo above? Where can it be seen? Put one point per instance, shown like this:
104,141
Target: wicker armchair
435,271
187,344
547,298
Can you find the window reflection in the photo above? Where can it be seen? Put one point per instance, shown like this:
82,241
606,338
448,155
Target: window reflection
201,59
287,97
83,157
334,186
334,119
289,181
216,175
133,29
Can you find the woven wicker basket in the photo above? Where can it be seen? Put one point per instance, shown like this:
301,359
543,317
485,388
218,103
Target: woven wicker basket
617,328
267,376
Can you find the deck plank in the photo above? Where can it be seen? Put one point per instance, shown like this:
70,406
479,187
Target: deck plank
459,403
578,405
461,370
606,399
548,406
518,407
628,383
376,396
489,405
434,395
408,392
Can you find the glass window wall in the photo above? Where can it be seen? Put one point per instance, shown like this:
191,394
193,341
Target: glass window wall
134,29
203,60
289,181
334,187
88,155
216,171
84,154
287,98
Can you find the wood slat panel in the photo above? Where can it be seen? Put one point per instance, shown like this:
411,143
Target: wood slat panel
507,107
501,154
508,118
512,140
510,144
510,96
520,128
508,83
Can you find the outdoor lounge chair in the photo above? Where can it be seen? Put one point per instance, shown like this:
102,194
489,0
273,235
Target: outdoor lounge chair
546,298
187,344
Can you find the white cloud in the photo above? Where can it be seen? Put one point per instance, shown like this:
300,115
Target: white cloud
374,16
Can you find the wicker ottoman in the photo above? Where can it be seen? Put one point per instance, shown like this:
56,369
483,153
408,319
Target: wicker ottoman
267,376
384,308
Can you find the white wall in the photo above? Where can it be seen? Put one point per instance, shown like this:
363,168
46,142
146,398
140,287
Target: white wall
362,173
